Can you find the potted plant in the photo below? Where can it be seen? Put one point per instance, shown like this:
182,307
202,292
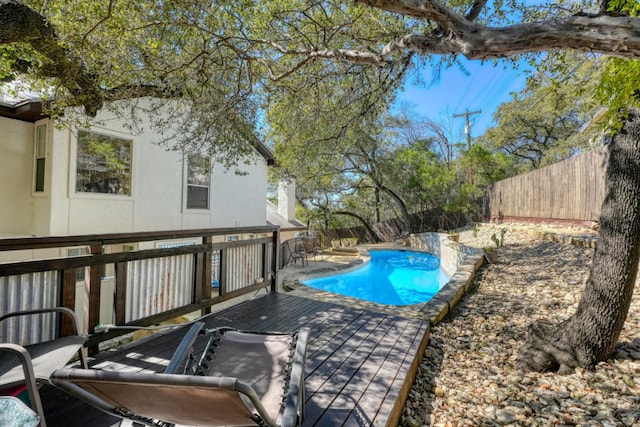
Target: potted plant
454,235
491,252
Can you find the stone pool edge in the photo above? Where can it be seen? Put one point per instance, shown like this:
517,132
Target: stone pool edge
455,257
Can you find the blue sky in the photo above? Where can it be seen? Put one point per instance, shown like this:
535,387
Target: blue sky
484,87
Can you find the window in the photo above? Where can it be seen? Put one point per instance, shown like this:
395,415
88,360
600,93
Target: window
198,181
40,154
103,164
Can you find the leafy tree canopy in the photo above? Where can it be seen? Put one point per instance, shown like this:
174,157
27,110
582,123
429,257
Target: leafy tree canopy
235,60
553,117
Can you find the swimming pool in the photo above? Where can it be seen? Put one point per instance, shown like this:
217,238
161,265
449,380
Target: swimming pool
392,277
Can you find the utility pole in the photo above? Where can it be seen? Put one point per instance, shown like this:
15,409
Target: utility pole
467,130
467,126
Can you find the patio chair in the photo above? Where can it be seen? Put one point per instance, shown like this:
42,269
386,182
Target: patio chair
311,246
296,251
32,364
238,379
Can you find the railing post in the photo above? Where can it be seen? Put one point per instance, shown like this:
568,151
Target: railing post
275,260
223,271
266,262
205,283
120,302
68,299
94,294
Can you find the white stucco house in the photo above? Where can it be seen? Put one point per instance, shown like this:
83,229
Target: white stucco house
58,179
103,178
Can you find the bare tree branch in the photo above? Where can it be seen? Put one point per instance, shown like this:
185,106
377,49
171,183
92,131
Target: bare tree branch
611,35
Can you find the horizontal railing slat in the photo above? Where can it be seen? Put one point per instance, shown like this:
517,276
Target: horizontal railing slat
35,242
98,259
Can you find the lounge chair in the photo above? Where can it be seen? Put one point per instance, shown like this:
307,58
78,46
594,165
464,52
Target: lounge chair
33,364
238,379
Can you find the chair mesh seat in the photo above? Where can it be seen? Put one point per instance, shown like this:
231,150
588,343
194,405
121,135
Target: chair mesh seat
240,379
258,360
46,357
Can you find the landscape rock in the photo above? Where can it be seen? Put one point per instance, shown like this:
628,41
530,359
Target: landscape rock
470,362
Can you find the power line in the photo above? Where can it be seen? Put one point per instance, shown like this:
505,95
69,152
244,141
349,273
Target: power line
466,91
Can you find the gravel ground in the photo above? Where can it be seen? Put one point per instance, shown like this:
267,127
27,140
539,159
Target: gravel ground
468,376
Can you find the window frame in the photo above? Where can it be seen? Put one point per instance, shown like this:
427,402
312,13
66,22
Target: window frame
128,193
187,184
40,157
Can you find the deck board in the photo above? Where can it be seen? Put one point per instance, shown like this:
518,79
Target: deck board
358,362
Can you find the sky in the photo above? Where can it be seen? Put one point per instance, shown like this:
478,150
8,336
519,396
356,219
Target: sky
483,87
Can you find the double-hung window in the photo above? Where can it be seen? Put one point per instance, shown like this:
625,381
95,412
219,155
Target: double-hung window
198,182
40,155
103,164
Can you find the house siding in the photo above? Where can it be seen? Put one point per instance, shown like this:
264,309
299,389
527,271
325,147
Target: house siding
157,187
16,167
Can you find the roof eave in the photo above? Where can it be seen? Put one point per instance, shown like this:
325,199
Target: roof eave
28,111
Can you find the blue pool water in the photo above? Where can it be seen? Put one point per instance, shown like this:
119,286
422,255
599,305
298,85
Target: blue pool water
391,277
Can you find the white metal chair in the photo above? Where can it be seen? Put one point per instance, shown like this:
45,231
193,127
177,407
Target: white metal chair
33,364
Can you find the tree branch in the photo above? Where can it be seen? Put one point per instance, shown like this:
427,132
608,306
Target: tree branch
349,55
476,8
611,35
19,23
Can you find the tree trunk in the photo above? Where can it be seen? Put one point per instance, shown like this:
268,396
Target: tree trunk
590,335
406,218
374,235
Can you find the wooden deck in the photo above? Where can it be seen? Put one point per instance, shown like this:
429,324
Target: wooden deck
360,364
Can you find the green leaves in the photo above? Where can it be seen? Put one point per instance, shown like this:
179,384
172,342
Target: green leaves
619,90
549,121
629,7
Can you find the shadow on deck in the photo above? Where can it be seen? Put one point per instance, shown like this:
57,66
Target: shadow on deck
359,370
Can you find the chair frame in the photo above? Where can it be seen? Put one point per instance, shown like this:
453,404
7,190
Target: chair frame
311,247
24,357
184,371
296,252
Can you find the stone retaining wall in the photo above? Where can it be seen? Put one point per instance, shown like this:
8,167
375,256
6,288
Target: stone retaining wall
457,260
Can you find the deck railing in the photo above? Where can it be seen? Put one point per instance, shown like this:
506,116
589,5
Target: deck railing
120,281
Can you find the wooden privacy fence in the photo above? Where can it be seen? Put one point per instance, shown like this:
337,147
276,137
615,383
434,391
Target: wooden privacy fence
569,191
391,229
147,286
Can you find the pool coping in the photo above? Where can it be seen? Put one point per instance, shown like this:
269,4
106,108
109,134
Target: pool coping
467,261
